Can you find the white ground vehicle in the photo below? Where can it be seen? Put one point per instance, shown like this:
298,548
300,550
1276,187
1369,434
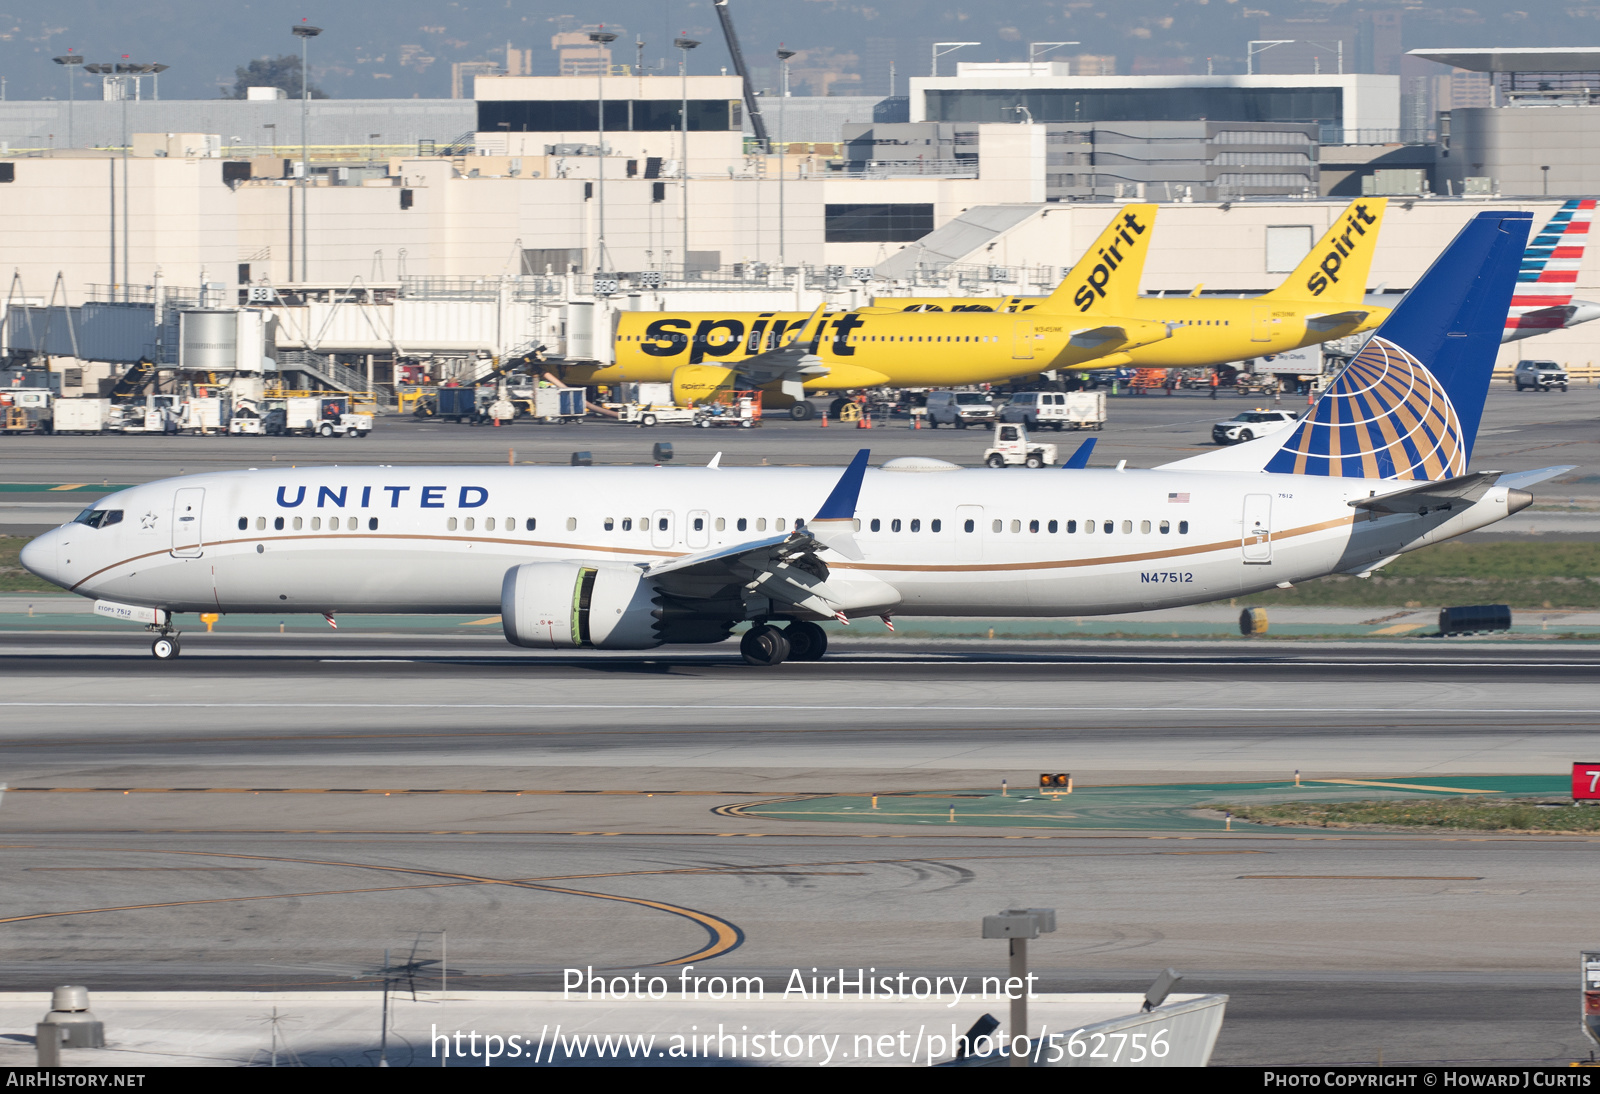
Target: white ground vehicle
1057,409
1538,375
650,414
1013,449
959,408
1250,424
82,415
326,416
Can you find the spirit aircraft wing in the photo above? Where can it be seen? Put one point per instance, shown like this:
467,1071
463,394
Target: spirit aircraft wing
796,359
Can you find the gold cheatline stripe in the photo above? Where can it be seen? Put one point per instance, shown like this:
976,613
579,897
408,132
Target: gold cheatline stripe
1203,548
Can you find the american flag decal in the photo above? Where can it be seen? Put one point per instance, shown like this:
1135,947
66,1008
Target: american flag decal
1178,499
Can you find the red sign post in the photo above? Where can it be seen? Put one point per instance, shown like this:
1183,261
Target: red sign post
1586,782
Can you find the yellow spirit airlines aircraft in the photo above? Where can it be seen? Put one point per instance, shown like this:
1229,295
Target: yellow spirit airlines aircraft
791,353
1321,300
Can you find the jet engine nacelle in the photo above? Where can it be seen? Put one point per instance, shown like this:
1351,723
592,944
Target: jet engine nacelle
692,384
567,605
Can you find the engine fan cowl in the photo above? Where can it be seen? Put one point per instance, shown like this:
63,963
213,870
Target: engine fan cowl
567,605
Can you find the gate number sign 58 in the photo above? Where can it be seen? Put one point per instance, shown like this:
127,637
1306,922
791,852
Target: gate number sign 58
1586,782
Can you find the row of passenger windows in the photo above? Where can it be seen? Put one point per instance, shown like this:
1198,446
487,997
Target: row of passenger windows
1071,526
349,524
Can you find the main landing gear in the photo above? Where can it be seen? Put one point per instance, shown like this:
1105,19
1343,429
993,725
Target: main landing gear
764,644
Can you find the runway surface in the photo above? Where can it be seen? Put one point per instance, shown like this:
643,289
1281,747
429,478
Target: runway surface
277,814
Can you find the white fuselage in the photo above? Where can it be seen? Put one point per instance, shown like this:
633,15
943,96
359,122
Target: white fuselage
440,539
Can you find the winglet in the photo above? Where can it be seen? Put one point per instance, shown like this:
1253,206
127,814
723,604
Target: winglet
716,461
1080,459
841,504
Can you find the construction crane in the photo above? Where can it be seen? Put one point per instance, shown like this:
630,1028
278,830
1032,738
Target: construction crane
757,122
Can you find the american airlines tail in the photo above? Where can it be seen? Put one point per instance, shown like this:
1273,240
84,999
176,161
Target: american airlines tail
1408,405
1543,300
1105,280
1335,270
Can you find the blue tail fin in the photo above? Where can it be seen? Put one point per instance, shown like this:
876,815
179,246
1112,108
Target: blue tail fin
1409,404
1080,459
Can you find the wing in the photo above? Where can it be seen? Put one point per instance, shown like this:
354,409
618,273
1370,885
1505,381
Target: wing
791,570
1424,497
790,361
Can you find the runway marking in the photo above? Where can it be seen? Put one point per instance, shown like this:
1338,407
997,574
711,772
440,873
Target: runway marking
724,936
1405,786
138,869
1351,877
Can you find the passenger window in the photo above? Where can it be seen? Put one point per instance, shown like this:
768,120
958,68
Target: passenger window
1144,526
1072,527
1183,527
742,524
761,524
450,525
1052,527
261,524
661,524
1089,526
1166,526
916,525
610,524
999,526
572,524
778,524
470,523
316,524
372,524
511,524
299,522
627,524
1016,526
488,524
1033,526
699,524
877,525
532,524
1108,526
1127,527
244,523
935,525
722,524
969,526
278,523
894,525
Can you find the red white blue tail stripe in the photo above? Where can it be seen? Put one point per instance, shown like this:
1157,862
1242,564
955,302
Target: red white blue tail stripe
1549,271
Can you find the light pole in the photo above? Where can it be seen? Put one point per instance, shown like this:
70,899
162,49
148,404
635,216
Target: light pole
305,33
67,62
1250,50
1039,49
783,149
941,48
685,45
601,38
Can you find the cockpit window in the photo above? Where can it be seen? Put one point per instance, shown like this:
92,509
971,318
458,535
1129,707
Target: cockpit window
99,518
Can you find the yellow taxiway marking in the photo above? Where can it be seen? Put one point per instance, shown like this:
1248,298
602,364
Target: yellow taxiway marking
1404,786
487,621
70,486
1400,628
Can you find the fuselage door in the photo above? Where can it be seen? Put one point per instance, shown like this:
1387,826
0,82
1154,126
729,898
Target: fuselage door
1022,341
661,533
186,511
1256,537
1261,323
969,533
698,532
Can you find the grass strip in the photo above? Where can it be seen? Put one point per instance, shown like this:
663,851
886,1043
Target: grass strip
1514,815
13,578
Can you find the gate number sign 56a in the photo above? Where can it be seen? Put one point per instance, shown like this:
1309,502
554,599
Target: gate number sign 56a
1586,782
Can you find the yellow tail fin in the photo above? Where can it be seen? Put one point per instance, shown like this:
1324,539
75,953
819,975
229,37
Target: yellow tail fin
1106,279
1335,270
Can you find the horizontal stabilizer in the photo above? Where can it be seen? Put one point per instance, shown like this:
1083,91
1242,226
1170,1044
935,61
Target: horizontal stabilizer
1424,497
1521,480
1099,336
1335,320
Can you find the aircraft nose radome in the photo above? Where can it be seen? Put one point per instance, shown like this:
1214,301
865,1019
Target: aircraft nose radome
40,557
